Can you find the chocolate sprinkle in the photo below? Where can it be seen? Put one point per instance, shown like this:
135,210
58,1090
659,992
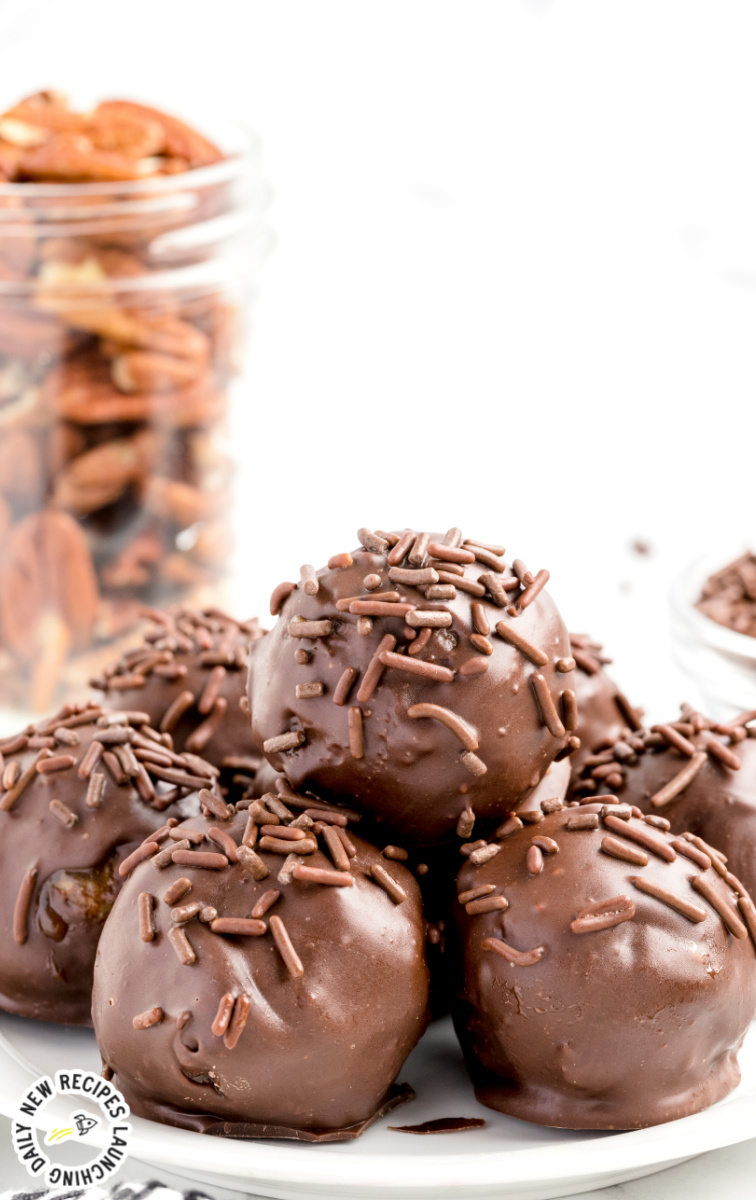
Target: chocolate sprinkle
705,888
458,727
291,959
356,736
223,1015
284,741
177,890
388,883
518,958
182,946
322,876
146,1020
684,907
23,904
642,836
510,634
240,926
677,785
618,849
146,923
238,1021
485,904
603,915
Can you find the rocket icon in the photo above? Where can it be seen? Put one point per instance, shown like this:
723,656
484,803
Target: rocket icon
84,1122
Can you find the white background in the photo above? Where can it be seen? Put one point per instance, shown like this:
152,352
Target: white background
514,281
502,295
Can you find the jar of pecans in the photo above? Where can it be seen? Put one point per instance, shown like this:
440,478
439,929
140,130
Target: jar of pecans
129,248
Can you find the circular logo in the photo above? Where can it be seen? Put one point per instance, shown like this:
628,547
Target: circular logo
39,1160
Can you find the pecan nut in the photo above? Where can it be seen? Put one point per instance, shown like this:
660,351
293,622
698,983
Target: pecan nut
146,371
47,110
180,503
180,141
101,475
46,567
92,400
73,158
131,134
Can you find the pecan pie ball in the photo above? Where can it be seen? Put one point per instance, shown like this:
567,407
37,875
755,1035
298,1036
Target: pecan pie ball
190,676
270,982
420,677
698,774
607,971
80,794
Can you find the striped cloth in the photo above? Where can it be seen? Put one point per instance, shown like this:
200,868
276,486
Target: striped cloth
118,1191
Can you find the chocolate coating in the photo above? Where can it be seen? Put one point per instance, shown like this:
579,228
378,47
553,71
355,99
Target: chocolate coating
623,1026
719,802
200,656
70,854
553,786
319,1050
406,767
604,714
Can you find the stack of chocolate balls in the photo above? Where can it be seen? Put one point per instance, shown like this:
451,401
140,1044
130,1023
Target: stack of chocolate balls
423,760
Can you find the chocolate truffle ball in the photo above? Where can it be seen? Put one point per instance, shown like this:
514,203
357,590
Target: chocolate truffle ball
190,675
604,712
608,973
278,987
81,791
418,677
699,775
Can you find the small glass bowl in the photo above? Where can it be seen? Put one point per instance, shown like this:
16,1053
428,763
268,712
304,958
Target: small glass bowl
719,662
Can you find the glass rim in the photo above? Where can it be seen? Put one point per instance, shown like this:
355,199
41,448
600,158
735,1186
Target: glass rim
236,242
227,169
209,273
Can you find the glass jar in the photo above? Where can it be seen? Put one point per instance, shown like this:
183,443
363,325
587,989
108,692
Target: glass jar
720,663
123,308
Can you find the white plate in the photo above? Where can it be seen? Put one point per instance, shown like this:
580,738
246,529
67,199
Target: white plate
508,1158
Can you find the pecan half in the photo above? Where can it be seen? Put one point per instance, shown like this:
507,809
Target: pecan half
87,398
180,503
100,476
21,133
132,134
48,110
145,371
46,568
73,158
162,334
180,141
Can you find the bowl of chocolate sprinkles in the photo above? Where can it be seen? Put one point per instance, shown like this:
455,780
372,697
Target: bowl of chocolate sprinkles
713,625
